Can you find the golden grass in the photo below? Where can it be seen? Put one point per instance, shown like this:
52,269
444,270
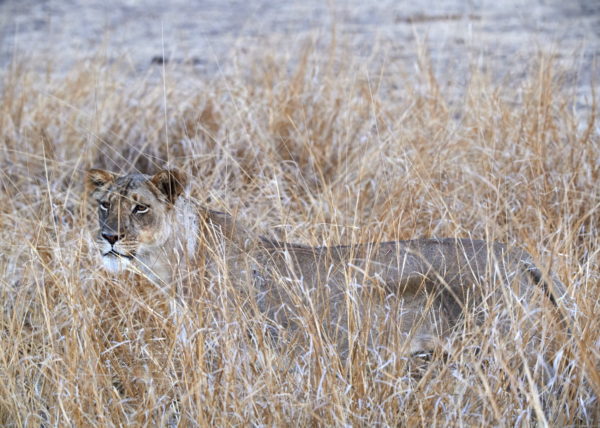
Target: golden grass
320,150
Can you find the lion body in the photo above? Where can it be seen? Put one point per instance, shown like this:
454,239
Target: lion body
421,287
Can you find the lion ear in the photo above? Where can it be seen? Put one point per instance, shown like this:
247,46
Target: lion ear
97,178
170,182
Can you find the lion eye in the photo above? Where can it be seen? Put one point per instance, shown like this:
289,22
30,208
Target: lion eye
104,206
140,209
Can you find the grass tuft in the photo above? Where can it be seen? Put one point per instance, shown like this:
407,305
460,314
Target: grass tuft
319,149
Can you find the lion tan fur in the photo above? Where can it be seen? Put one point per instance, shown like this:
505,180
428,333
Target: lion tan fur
423,286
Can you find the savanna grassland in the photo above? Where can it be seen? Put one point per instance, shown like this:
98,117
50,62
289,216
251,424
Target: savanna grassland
315,148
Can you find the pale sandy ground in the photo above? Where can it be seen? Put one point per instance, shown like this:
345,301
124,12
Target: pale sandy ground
206,36
207,30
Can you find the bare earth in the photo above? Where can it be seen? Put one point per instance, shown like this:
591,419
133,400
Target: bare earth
206,33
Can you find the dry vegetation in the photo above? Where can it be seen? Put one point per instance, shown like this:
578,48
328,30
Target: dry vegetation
317,150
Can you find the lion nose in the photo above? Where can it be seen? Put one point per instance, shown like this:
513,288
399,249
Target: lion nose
111,238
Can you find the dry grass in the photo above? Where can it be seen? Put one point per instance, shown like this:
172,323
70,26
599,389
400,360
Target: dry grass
319,149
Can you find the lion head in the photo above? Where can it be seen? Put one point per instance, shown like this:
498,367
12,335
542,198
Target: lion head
134,214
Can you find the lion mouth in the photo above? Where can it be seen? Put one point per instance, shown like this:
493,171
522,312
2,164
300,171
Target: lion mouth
117,254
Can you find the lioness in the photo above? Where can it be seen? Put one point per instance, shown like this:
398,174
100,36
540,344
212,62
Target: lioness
146,224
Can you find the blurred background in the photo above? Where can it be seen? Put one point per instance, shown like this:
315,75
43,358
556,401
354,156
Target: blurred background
207,35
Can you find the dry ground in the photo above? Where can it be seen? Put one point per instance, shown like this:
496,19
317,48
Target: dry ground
317,149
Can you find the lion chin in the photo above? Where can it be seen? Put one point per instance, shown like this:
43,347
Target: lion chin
114,263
